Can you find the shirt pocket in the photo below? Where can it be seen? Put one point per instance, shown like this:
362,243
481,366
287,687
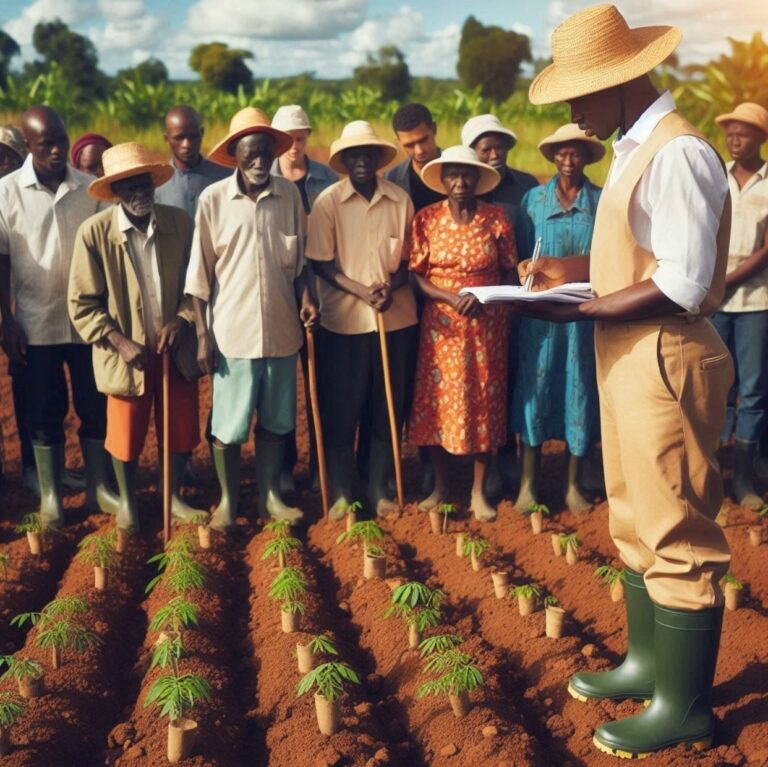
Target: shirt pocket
392,254
286,251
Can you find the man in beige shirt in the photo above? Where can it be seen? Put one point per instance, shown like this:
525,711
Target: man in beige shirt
246,274
355,243
742,319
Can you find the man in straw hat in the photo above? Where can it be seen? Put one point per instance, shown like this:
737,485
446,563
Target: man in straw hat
247,267
355,242
742,319
657,265
125,298
41,206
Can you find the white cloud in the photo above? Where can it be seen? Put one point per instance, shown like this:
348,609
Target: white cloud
72,12
299,20
705,24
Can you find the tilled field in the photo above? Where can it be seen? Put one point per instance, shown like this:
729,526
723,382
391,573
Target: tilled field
93,711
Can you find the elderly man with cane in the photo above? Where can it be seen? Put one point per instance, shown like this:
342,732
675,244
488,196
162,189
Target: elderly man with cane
125,298
657,266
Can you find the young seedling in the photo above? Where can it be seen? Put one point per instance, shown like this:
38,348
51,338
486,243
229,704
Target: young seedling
168,652
614,579
569,545
11,708
733,589
318,645
526,595
458,675
329,679
537,512
176,564
281,547
36,530
350,514
57,628
202,520
175,695
439,643
474,547
287,588
374,563
178,614
98,551
278,527
438,518
418,606
554,617
27,673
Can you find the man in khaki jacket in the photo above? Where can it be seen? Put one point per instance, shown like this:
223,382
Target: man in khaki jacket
126,297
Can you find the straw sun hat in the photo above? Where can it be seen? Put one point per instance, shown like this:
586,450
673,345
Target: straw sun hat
571,132
748,112
595,49
291,117
459,155
245,122
126,160
360,133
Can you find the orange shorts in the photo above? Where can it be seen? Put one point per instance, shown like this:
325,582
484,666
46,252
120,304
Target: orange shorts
128,417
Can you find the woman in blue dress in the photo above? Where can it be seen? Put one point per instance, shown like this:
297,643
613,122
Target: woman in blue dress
555,394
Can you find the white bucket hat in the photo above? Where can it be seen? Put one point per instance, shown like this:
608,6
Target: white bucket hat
360,133
291,117
459,155
476,126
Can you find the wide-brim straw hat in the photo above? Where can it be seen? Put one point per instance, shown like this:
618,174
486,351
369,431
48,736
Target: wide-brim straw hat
476,127
245,122
568,133
126,160
291,117
459,155
748,112
360,133
595,49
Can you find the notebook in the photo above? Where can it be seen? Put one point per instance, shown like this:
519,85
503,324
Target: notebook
570,293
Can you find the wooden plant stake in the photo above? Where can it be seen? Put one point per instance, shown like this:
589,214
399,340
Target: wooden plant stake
166,447
314,403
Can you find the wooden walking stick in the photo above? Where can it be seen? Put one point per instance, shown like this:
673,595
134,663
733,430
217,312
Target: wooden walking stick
394,431
166,447
319,444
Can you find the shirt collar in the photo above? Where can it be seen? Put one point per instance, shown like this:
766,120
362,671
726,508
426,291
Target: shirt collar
761,173
645,124
382,190
233,191
552,204
28,177
125,225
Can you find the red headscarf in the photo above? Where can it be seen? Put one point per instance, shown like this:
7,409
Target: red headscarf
86,140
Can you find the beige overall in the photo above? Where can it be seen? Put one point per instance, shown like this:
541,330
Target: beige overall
663,385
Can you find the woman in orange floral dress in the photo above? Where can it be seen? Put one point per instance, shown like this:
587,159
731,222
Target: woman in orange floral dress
460,402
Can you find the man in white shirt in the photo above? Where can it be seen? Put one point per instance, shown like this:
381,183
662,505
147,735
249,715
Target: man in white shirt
41,206
657,266
742,319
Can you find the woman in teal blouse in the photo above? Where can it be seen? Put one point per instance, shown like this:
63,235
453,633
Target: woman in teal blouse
555,394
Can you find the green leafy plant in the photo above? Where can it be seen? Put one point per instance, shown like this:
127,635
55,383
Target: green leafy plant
446,509
176,695
178,614
731,580
368,532
329,679
19,669
439,643
417,604
322,645
456,673
33,523
11,708
280,548
569,539
98,550
551,601
610,575
537,508
181,571
525,590
288,585
353,508
763,512
280,527
168,652
475,545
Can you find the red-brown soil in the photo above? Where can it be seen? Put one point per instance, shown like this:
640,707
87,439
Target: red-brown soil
93,711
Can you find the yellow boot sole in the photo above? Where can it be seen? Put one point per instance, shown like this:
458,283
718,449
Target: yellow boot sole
698,745
584,699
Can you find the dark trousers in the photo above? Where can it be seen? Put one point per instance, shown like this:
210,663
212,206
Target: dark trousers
350,380
48,400
20,391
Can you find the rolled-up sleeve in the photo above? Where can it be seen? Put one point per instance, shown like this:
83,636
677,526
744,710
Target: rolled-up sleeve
685,189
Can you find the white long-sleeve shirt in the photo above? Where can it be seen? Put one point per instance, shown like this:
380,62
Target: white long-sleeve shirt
676,207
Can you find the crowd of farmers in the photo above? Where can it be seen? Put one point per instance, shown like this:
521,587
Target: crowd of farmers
141,274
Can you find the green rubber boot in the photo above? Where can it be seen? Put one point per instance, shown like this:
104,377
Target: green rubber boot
49,460
341,467
180,509
98,495
380,470
681,708
128,509
634,677
226,461
269,461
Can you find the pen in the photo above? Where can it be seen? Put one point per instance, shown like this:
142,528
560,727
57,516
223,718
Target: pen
536,253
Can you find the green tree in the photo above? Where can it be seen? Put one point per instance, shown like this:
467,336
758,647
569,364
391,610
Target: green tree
8,49
221,67
75,54
388,72
490,57
151,71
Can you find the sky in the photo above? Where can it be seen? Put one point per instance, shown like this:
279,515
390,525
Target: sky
331,37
